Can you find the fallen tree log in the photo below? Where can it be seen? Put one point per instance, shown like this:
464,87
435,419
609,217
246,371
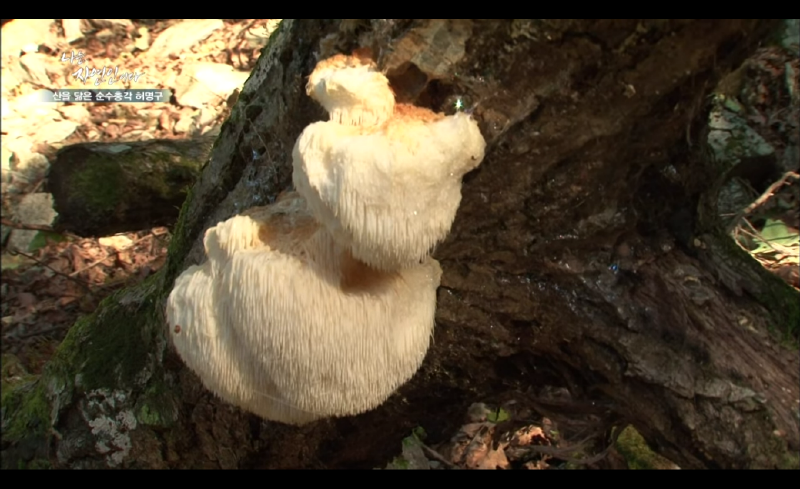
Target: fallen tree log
585,259
104,188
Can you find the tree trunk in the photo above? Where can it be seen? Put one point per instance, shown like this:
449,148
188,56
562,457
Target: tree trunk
104,188
585,256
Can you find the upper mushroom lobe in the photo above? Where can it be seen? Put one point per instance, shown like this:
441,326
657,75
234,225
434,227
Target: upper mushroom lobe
389,192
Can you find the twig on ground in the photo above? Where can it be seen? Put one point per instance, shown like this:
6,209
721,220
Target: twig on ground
65,275
30,227
42,331
559,454
770,191
438,457
93,264
107,255
764,197
755,234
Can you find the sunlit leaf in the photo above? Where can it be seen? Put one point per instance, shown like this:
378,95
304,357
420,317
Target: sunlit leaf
42,237
10,262
498,416
776,232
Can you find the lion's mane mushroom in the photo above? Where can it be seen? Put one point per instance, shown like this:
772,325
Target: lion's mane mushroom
284,322
383,178
351,90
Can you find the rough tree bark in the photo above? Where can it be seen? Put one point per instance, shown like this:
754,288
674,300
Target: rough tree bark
584,256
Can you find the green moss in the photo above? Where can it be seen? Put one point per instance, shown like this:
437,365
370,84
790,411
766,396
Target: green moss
779,298
173,170
633,447
789,461
399,463
179,243
149,416
12,370
187,170
157,406
112,348
774,452
104,186
98,183
783,302
35,464
122,338
39,464
117,349
23,401
27,408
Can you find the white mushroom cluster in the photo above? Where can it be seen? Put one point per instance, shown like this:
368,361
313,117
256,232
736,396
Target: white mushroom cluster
322,304
383,178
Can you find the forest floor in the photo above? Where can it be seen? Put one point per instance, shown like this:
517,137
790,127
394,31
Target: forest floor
49,280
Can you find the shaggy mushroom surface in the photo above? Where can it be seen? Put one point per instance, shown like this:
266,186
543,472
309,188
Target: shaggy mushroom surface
322,304
383,178
284,322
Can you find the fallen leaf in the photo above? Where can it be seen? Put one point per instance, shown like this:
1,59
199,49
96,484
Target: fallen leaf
41,239
125,258
526,435
26,299
479,453
536,465
66,300
59,265
55,315
497,416
494,459
474,454
78,259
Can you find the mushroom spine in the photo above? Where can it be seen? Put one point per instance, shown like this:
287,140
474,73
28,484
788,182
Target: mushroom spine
322,304
389,185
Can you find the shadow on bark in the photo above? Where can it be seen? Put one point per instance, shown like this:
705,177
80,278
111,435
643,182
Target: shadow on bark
585,259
